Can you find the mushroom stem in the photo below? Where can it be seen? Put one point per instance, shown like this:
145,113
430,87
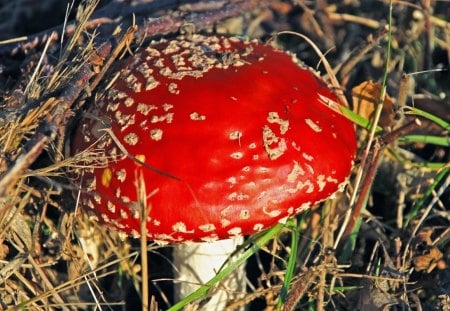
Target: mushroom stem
197,263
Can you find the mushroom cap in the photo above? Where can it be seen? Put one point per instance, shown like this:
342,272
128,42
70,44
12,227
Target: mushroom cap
230,137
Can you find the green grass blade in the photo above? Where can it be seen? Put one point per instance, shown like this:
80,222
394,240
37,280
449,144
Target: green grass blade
420,113
358,120
428,139
295,238
415,210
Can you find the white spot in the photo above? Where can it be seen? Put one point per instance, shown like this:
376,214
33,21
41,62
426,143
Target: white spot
105,218
237,155
331,179
235,135
156,222
163,238
261,195
244,214
232,181
173,88
167,117
135,234
300,185
263,169
172,47
272,214
97,198
121,175
156,134
307,156
144,69
131,139
123,214
124,119
89,204
235,231
310,168
159,62
121,95
167,107
195,116
251,185
125,199
321,182
305,206
130,78
235,196
295,146
224,222
297,170
313,125
270,138
136,87
144,108
246,169
129,102
112,107
135,213
152,52
181,227
151,83
283,220
111,207
252,146
274,117
258,227
207,227
225,211
342,185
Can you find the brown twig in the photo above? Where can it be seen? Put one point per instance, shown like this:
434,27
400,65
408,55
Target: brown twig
47,131
154,26
104,51
299,289
200,20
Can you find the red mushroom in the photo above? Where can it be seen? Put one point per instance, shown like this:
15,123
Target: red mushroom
231,137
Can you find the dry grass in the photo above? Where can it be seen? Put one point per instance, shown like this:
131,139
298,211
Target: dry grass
393,255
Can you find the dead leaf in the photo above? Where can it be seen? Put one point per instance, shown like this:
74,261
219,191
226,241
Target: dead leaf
425,255
365,98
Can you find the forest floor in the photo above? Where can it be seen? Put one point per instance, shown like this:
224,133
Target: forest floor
391,60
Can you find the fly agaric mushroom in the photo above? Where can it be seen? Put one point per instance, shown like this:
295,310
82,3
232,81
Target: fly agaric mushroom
230,137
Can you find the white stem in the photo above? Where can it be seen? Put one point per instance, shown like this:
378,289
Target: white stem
197,263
